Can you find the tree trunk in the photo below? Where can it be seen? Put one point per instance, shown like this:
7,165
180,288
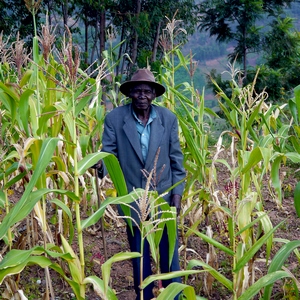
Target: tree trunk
135,37
244,53
65,11
155,44
86,40
95,40
102,33
120,52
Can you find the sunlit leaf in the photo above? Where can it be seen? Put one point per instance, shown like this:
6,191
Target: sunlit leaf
106,267
46,152
173,289
216,274
261,283
98,287
278,261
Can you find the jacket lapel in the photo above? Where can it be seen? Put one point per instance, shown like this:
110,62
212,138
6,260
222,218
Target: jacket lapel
132,134
157,132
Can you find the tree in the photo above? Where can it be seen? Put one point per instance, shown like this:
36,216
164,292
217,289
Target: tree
15,18
281,51
281,44
236,20
141,23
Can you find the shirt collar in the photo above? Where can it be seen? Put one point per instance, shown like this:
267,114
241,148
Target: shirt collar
151,117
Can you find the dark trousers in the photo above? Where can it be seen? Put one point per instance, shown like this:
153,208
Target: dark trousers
135,246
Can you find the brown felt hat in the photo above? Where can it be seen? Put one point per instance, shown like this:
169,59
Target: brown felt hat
142,76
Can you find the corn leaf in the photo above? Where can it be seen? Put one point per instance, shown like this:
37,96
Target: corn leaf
74,262
47,113
297,199
16,260
169,275
261,283
251,252
254,158
46,152
94,218
24,111
217,275
297,99
67,210
106,267
277,262
211,241
2,199
266,226
25,78
173,289
275,176
98,287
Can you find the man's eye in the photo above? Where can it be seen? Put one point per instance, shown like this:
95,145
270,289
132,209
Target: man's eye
146,92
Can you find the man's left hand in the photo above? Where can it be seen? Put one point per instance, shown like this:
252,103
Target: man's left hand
176,201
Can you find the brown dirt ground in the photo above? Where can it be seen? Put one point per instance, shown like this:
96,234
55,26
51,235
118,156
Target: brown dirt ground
121,273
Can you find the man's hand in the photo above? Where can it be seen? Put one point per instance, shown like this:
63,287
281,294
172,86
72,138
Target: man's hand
176,201
98,165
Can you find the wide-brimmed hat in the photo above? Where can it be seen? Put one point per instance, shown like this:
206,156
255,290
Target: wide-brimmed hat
142,76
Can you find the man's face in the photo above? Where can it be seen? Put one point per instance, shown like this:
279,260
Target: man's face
142,96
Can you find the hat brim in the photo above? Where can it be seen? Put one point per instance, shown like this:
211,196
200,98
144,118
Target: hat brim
126,86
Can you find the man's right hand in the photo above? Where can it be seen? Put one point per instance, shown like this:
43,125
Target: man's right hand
98,165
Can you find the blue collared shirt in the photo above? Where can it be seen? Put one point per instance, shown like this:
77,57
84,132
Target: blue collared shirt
144,131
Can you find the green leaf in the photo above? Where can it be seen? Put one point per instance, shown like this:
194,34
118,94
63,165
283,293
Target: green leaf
293,110
73,262
68,119
94,218
297,199
16,260
212,241
33,198
297,99
106,267
47,113
278,261
173,289
9,92
23,109
249,254
84,143
169,275
254,158
66,209
34,115
293,156
99,288
15,179
74,285
261,283
112,165
46,152
266,227
261,215
25,78
84,100
35,51
217,275
275,176
2,199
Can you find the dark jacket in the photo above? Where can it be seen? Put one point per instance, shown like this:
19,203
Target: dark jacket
121,138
